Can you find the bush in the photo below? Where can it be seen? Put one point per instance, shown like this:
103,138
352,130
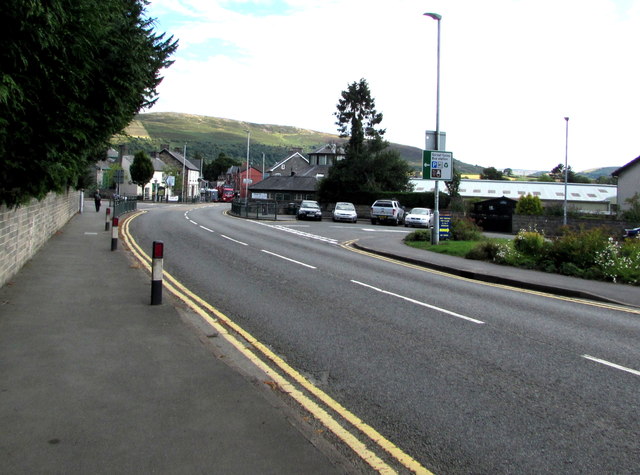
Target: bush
465,229
530,243
578,247
529,205
487,251
420,235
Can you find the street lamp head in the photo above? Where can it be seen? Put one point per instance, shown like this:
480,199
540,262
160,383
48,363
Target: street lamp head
567,119
435,16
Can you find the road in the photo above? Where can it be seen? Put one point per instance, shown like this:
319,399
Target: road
464,377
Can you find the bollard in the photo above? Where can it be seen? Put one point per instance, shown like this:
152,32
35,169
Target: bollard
114,234
156,272
106,222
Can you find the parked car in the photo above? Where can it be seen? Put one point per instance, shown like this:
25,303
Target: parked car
344,212
309,210
387,211
632,233
419,218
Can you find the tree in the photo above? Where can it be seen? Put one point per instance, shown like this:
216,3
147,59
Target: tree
212,170
141,169
529,205
358,119
74,73
369,165
558,175
491,173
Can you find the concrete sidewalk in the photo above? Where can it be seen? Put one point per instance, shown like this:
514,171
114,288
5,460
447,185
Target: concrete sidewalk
93,379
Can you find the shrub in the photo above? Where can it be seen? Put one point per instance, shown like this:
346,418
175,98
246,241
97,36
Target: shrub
486,251
465,229
529,205
530,243
420,235
578,247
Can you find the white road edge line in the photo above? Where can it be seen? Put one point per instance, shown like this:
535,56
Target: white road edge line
231,239
417,302
192,221
613,365
287,259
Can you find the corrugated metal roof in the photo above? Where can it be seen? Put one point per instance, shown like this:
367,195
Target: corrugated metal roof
546,191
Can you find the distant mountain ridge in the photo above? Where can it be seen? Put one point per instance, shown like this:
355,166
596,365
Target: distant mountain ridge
211,136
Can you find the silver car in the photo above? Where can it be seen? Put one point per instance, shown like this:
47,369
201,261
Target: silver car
419,218
344,212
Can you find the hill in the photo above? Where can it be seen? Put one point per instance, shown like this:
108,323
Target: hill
210,136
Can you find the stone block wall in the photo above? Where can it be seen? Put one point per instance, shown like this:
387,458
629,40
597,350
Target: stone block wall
24,230
550,225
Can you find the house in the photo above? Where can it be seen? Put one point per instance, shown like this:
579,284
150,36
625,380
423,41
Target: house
329,155
253,175
286,188
178,164
294,164
628,182
583,197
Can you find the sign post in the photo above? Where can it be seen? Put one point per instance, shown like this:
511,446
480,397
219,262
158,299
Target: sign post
437,165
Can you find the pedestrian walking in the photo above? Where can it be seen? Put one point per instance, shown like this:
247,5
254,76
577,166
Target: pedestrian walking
96,198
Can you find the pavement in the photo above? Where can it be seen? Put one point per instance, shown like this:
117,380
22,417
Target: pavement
93,379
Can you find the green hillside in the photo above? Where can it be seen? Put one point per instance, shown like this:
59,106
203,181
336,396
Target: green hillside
211,136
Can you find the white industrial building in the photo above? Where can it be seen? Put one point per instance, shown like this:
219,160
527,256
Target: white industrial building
585,197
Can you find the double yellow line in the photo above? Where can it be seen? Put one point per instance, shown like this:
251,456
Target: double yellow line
285,381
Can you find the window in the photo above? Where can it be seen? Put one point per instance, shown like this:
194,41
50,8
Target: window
522,193
591,195
536,193
576,195
506,192
462,190
492,192
476,191
559,194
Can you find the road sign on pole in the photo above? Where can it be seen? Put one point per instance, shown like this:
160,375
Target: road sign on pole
437,165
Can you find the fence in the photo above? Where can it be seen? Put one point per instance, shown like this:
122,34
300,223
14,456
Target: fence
261,209
123,204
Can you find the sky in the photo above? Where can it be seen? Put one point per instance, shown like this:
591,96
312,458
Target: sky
510,71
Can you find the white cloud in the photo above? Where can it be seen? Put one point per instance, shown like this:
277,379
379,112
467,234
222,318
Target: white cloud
511,71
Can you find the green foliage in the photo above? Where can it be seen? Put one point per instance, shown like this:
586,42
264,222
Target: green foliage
73,74
491,173
530,243
141,169
529,205
369,165
465,229
486,251
419,235
212,170
633,213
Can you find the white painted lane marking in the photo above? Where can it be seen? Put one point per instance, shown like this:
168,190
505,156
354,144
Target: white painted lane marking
288,259
207,229
417,302
289,229
231,239
612,365
192,221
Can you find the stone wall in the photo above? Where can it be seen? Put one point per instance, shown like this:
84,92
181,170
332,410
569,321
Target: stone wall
24,230
551,224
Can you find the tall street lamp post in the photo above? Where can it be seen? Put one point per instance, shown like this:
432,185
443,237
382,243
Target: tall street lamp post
566,169
435,237
246,178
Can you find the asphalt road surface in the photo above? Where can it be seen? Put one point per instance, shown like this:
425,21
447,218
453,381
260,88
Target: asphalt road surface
464,377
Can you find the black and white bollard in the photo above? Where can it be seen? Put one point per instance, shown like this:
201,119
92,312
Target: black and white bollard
156,272
106,222
114,234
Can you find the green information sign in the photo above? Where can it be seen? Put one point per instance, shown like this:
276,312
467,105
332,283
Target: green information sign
437,165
